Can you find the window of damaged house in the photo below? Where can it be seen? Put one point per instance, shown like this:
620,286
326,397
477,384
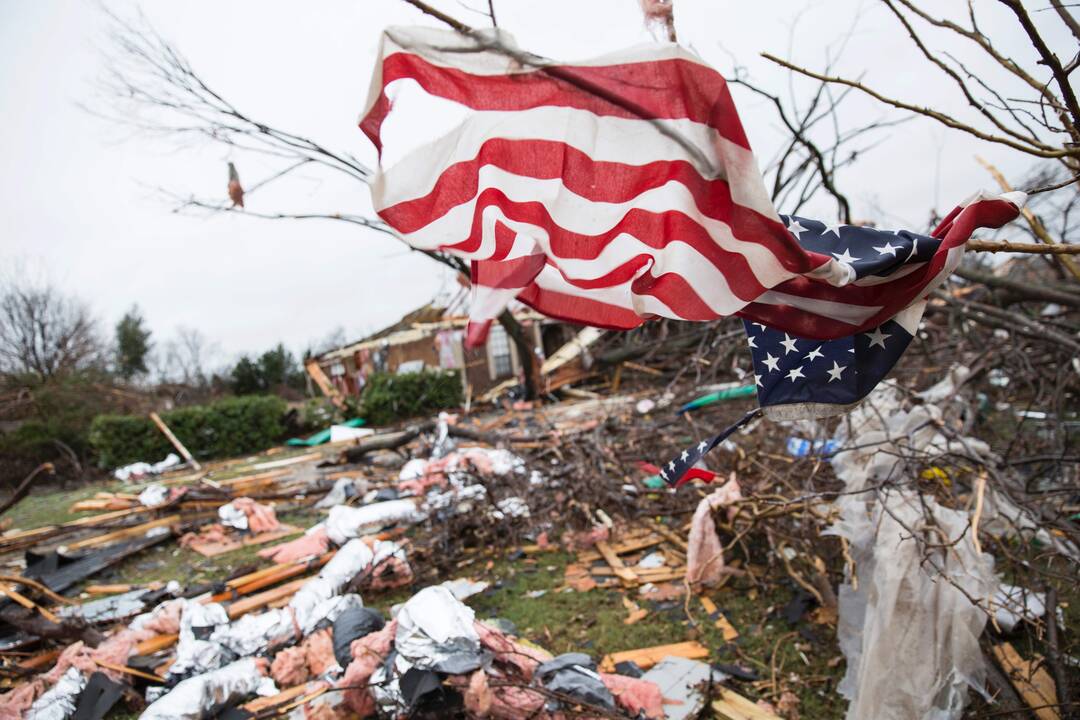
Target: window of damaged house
500,360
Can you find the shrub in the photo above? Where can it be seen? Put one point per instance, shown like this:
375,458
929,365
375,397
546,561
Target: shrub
389,397
233,426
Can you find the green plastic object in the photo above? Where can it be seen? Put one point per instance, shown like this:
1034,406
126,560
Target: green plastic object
323,435
727,394
655,482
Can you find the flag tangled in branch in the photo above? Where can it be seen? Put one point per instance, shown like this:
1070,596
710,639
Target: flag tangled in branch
620,189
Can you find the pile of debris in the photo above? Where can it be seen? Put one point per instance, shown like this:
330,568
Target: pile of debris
914,558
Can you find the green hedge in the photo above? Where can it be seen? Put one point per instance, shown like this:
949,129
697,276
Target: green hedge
225,428
389,397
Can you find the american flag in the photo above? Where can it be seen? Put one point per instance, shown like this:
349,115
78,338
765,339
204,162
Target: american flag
799,377
616,190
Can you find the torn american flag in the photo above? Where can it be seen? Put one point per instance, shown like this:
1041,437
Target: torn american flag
620,189
612,191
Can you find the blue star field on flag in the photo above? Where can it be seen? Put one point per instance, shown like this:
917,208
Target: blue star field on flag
803,377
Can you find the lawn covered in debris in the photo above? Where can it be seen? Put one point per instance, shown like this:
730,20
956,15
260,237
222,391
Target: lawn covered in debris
526,561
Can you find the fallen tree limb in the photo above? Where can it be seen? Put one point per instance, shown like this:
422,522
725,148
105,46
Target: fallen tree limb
24,486
1023,291
1034,248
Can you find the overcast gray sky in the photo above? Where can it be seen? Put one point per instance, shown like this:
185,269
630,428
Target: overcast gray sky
76,194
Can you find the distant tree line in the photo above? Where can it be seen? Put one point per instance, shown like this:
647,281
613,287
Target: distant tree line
59,368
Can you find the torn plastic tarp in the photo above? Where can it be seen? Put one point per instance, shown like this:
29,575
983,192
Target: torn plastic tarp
195,651
204,695
705,553
910,631
351,625
575,674
435,632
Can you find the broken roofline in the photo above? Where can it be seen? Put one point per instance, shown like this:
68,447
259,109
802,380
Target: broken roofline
417,331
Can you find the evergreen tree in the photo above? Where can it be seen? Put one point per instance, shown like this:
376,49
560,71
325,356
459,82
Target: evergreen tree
132,345
247,377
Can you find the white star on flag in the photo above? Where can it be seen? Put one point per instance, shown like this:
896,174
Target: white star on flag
845,257
795,373
878,338
788,343
750,341
832,227
837,370
771,362
814,354
887,249
795,228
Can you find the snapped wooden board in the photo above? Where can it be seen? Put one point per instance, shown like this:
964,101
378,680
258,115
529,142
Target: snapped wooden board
213,549
649,656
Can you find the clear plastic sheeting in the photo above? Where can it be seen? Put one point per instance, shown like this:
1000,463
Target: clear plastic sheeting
204,695
58,703
910,632
909,622
346,523
435,632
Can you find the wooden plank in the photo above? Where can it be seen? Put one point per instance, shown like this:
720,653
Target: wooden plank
624,573
647,657
260,600
273,700
1031,680
175,441
622,548
670,535
327,387
285,462
734,706
123,534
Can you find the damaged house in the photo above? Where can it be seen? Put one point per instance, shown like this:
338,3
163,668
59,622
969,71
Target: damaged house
433,337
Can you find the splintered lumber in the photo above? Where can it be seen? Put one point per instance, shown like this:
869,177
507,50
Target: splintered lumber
327,387
734,706
175,441
259,579
646,575
622,548
1031,680
285,462
649,656
621,571
669,535
261,600
134,531
280,698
